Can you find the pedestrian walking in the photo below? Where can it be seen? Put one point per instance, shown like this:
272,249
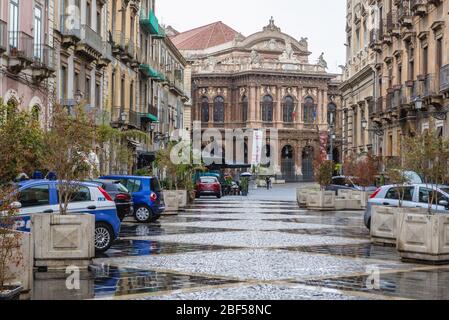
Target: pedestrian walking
268,180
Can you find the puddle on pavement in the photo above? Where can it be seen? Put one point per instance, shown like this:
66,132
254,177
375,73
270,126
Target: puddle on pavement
358,233
363,250
351,222
104,282
135,248
421,285
149,230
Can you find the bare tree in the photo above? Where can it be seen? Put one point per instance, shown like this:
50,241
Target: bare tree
67,143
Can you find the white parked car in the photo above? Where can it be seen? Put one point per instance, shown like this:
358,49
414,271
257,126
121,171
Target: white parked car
414,196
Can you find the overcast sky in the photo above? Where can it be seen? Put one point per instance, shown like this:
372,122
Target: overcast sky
322,21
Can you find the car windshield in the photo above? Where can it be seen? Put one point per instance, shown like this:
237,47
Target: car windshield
208,180
116,187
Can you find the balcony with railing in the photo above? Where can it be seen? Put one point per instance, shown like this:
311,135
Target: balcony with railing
150,114
3,36
91,42
70,29
444,79
430,86
392,25
418,7
152,70
134,119
375,37
44,63
404,13
20,51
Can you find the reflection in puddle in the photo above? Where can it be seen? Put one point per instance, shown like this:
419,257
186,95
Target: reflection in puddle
149,230
422,285
106,282
133,248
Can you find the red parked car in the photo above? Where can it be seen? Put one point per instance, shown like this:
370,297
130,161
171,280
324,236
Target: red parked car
208,186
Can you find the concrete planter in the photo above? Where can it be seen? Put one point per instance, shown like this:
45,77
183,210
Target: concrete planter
301,196
22,273
384,222
423,237
182,198
383,225
171,199
321,200
61,241
347,204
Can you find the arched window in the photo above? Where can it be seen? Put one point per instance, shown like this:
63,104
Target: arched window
309,110
35,112
288,109
204,110
244,109
267,109
219,109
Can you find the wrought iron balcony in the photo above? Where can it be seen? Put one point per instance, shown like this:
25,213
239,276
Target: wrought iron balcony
20,45
3,36
418,7
44,57
430,88
134,119
404,13
444,79
118,38
392,25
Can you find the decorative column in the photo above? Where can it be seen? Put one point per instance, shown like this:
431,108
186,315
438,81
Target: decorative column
278,117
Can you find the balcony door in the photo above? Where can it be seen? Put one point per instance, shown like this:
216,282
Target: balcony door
38,43
14,23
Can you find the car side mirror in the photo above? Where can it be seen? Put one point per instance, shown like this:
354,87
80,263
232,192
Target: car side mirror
15,205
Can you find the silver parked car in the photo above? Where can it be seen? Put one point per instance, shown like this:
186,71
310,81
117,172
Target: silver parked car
415,196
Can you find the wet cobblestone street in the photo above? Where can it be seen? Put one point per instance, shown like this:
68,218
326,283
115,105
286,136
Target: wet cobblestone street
249,248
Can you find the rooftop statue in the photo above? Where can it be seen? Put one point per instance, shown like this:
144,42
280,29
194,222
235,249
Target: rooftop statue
321,61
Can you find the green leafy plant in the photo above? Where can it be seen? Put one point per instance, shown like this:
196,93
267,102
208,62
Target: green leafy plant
428,155
21,142
10,241
67,144
324,170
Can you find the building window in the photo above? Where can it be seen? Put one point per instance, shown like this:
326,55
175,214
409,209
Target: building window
38,47
267,109
14,23
88,14
63,82
97,95
309,110
98,22
87,89
288,109
219,109
204,109
245,109
131,96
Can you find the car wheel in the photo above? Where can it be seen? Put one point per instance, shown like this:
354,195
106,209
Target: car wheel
219,196
143,214
103,237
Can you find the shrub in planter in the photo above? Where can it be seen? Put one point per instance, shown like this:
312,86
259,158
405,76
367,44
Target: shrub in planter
10,241
424,237
67,145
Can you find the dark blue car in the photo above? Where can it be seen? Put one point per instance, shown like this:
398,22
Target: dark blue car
147,196
41,196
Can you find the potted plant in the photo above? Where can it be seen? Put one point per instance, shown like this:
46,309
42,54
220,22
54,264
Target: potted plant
67,144
423,236
10,242
244,185
322,199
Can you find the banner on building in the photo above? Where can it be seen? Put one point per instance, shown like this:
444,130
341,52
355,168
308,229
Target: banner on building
257,147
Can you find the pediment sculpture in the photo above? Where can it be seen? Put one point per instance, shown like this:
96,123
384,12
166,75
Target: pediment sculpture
288,55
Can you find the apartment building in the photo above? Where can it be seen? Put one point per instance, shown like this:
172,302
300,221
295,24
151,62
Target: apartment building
412,71
27,55
357,88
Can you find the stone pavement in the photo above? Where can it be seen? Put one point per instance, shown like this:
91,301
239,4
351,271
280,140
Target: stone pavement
259,247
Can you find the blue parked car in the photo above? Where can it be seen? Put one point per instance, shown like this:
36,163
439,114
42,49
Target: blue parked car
41,196
147,196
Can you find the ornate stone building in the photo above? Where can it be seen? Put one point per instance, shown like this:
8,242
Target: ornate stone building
412,69
358,80
264,80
